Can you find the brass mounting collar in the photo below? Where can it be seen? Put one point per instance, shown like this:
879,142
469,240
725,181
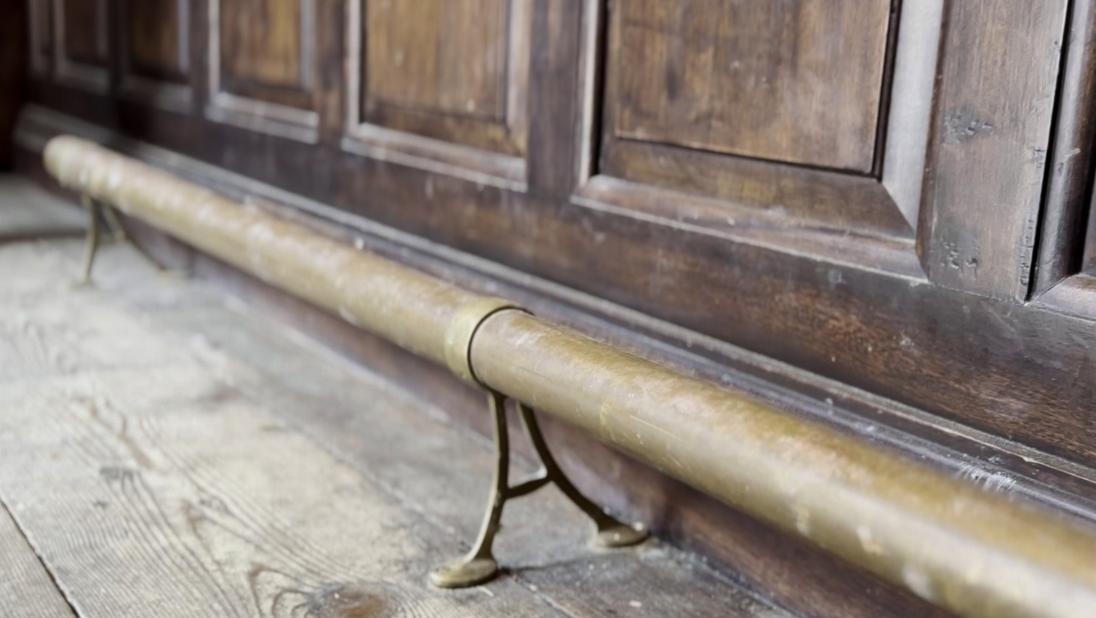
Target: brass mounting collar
462,330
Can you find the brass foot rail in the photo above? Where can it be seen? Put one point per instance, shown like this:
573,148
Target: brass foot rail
951,542
479,564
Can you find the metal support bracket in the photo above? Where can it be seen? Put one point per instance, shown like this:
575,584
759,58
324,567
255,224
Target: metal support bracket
479,564
100,215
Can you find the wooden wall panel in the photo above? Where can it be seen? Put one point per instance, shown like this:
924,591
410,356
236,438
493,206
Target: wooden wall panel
81,43
85,23
155,51
455,71
993,119
723,112
443,55
787,80
40,30
261,42
157,34
263,59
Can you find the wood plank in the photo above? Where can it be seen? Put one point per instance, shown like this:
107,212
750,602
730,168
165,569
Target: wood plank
790,81
25,586
261,41
456,71
989,146
84,25
197,481
443,55
179,497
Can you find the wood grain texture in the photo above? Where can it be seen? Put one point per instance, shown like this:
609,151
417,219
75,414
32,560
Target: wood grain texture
26,588
1070,162
39,33
85,25
451,71
156,38
796,81
737,192
169,456
443,55
749,104
41,27
989,145
261,41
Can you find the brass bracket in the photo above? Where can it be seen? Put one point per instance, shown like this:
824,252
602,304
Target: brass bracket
479,564
102,214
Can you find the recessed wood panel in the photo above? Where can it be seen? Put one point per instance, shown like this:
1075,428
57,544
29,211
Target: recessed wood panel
261,41
84,26
445,55
452,70
264,55
156,42
787,80
81,47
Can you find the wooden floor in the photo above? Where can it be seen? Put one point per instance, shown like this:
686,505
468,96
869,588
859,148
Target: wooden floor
164,453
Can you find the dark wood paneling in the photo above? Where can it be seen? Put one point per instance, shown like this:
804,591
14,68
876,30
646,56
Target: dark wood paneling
84,24
452,70
261,42
796,81
157,38
1071,161
719,192
272,63
442,55
40,32
830,305
992,130
749,105
81,45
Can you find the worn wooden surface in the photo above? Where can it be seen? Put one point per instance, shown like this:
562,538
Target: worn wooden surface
841,294
168,453
84,24
155,36
261,41
443,55
1071,159
807,278
786,81
988,155
447,70
803,267
26,589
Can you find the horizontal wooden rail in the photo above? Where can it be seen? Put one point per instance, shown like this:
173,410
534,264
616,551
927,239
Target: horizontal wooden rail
951,542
